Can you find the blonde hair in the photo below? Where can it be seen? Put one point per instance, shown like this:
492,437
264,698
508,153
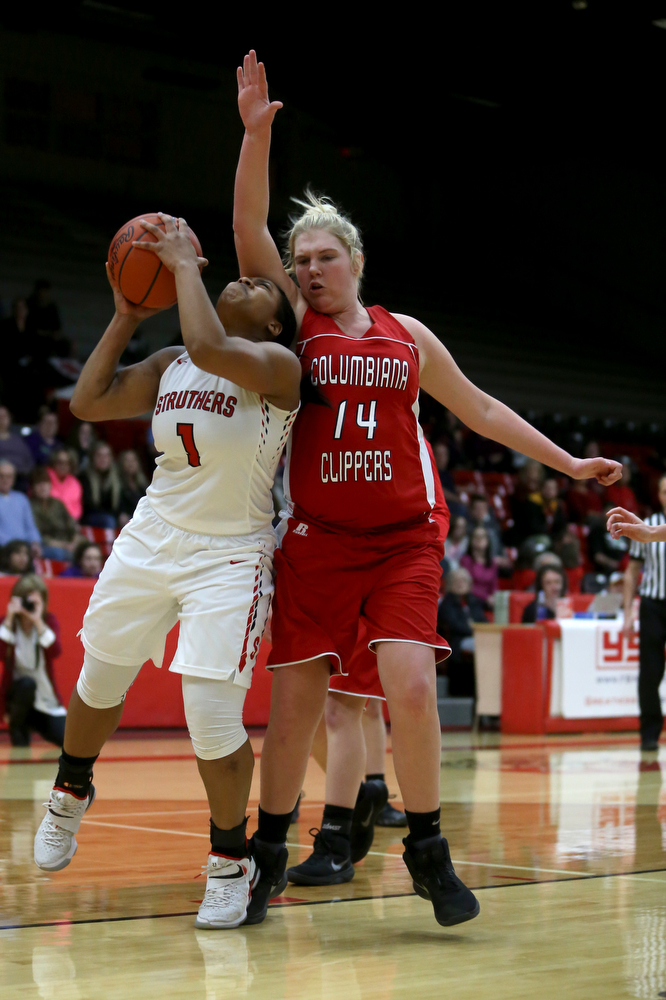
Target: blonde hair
321,213
29,582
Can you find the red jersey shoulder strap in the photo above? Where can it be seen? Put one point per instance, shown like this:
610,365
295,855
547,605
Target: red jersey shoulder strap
384,325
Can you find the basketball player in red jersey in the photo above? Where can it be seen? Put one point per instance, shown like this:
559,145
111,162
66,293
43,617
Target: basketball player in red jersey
330,863
198,549
359,539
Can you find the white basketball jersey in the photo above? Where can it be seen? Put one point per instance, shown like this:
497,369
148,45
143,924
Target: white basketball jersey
220,446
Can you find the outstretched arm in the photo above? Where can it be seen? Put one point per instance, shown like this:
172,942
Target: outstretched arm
255,247
441,377
260,366
104,393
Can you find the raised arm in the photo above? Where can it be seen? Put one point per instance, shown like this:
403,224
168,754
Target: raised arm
255,247
105,393
260,366
441,377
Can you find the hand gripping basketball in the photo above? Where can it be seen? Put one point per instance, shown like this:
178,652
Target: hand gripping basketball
146,278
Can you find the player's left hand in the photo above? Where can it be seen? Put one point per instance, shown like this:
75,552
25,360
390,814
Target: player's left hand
604,470
623,522
174,246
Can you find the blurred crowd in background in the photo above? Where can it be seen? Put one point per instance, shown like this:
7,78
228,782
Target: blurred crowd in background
68,487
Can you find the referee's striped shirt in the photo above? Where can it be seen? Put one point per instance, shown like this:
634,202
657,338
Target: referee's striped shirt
653,556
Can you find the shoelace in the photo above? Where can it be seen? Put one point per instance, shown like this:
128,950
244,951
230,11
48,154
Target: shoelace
70,809
218,895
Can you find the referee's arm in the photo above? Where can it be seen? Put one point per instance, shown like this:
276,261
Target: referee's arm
631,575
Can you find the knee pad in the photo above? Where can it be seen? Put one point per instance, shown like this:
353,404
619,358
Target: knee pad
104,685
214,713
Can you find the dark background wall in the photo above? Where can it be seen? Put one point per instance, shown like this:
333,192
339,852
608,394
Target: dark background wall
505,165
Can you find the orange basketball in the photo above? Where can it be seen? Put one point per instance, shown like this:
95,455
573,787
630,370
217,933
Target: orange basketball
141,276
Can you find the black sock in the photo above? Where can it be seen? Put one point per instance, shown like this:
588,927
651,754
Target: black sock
375,777
273,828
337,820
75,774
231,843
423,826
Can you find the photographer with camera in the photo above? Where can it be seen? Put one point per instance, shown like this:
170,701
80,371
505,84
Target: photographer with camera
29,644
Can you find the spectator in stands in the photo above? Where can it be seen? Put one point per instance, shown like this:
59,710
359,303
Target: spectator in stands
554,510
44,323
16,520
17,391
567,547
457,542
16,559
481,516
457,611
606,553
81,441
44,438
64,484
102,489
527,504
87,561
134,482
442,454
582,501
479,563
13,447
551,585
29,645
620,494
56,525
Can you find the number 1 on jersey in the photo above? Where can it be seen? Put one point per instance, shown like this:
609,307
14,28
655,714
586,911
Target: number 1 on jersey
186,434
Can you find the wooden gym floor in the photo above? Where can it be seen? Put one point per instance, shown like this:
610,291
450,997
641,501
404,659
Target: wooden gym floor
564,838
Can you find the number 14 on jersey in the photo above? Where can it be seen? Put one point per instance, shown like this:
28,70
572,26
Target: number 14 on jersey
370,424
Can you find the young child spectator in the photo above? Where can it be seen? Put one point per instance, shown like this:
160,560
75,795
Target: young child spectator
29,645
13,447
64,484
479,563
102,489
16,559
81,441
44,438
16,520
480,516
620,494
56,525
457,542
457,611
87,561
134,482
551,584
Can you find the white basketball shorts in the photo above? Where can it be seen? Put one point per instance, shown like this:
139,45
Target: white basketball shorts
217,586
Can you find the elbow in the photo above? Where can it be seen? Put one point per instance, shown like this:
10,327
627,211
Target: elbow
78,408
200,355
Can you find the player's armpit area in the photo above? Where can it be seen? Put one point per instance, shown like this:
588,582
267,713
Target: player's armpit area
130,392
265,368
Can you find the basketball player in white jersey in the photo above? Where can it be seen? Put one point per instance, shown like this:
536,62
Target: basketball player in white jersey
198,550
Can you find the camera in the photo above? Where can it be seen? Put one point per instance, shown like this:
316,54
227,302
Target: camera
28,604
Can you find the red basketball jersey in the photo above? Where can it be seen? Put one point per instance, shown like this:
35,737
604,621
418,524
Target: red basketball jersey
360,463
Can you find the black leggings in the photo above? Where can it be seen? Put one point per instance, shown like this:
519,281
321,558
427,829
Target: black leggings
24,717
651,673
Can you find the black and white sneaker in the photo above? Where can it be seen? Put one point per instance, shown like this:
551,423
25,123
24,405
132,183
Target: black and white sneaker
391,817
272,879
372,798
329,863
434,879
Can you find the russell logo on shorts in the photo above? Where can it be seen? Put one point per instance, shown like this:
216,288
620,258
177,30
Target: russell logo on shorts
302,529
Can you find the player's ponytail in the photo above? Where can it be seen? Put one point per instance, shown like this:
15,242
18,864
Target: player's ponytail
321,213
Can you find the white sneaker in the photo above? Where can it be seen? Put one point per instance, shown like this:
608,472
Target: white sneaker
55,843
228,891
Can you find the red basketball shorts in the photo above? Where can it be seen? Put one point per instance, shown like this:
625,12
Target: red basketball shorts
326,583
362,679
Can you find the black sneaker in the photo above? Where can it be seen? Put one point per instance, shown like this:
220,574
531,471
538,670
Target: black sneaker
372,798
329,863
648,746
272,879
390,817
434,879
